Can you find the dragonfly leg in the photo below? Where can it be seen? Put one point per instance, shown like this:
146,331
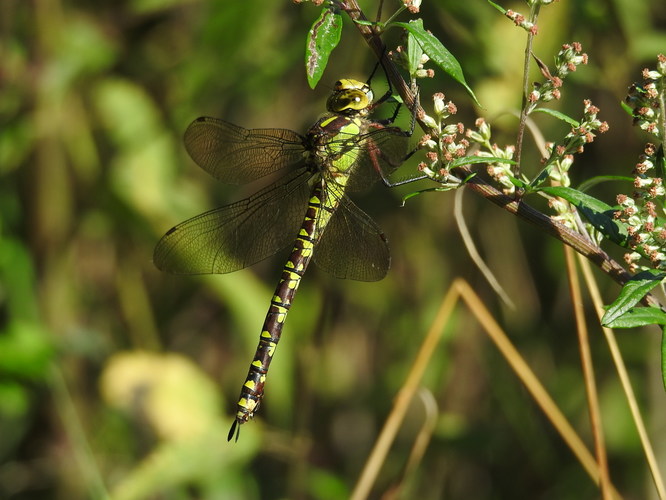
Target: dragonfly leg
388,182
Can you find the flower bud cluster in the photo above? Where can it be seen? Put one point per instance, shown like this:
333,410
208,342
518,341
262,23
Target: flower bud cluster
520,21
560,159
559,176
566,61
642,214
567,215
445,142
646,99
500,172
401,58
412,6
575,140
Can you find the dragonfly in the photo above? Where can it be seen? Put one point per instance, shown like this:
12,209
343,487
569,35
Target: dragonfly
307,206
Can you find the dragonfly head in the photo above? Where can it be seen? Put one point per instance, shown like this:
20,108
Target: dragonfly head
350,97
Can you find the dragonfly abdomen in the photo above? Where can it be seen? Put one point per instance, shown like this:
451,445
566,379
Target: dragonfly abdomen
316,217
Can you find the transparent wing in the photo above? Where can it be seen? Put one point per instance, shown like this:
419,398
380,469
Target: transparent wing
353,246
383,149
236,155
237,235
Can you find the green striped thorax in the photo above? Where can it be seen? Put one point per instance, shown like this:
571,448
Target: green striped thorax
334,136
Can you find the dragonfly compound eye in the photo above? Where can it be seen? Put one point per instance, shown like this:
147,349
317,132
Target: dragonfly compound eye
349,101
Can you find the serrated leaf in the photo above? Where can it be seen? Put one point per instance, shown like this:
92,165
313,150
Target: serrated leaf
323,37
632,292
437,52
639,316
598,213
558,115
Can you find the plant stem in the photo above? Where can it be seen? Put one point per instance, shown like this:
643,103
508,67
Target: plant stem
578,242
534,14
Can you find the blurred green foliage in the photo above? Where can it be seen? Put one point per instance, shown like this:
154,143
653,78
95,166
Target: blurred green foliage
117,380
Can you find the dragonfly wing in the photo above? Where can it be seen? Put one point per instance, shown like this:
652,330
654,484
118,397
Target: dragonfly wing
383,149
237,235
236,155
353,245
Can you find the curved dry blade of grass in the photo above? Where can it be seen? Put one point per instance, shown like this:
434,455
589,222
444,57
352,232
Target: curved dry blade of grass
474,253
592,287
424,435
461,289
82,453
588,374
403,399
531,382
419,446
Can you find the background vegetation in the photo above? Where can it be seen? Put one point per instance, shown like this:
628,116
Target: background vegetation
118,380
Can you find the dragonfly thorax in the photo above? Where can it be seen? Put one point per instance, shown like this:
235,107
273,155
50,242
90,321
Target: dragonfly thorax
350,97
333,142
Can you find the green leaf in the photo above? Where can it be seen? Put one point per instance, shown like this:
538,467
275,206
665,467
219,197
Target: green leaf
632,292
437,189
518,182
590,183
558,115
660,162
577,198
414,54
627,109
639,316
323,37
596,211
469,160
498,7
429,190
543,175
437,52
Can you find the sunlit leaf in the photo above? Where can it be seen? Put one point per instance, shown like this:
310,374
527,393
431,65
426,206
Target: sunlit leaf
598,213
557,114
322,38
632,292
437,52
639,316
